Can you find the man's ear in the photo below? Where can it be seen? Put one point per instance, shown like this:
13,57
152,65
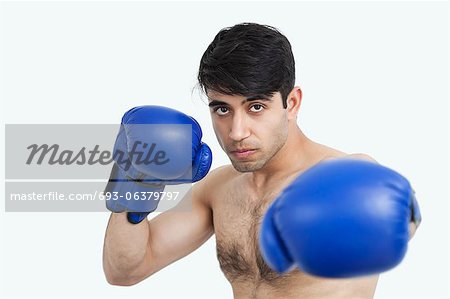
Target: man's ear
293,101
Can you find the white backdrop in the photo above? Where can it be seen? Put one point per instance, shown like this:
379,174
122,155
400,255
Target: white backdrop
374,77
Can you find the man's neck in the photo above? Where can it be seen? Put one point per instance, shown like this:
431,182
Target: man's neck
296,154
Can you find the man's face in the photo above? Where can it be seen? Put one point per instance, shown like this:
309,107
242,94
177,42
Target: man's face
251,130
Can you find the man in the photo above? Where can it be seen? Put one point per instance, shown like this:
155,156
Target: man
248,75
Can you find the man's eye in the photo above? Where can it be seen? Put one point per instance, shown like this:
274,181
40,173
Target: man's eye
257,108
221,110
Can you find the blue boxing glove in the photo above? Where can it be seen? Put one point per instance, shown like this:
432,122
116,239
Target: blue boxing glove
156,146
340,218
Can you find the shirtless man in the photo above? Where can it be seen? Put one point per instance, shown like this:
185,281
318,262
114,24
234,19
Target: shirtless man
248,75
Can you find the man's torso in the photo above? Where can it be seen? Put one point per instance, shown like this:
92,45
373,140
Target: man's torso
237,213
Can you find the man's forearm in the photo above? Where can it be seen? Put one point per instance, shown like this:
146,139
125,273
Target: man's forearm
125,247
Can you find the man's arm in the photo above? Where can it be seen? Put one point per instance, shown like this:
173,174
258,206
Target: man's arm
135,248
133,252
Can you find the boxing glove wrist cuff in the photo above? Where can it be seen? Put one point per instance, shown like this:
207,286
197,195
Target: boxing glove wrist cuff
136,217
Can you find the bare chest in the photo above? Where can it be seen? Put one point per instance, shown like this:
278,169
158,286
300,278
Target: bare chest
238,214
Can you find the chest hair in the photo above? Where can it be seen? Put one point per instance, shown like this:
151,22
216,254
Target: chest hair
237,224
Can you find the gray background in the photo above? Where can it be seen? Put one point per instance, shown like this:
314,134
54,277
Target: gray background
374,77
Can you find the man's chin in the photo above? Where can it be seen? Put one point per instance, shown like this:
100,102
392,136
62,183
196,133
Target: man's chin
247,166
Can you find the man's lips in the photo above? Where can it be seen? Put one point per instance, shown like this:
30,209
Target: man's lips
243,153
242,150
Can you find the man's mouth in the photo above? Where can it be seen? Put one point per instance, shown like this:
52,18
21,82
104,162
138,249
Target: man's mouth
243,153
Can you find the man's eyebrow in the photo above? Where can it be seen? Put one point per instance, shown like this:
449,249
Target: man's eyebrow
258,97
215,103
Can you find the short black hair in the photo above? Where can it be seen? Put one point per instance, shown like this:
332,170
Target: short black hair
248,59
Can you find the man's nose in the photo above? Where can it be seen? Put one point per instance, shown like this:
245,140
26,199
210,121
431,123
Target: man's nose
239,128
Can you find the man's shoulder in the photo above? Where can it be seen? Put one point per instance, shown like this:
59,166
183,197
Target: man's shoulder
220,175
216,179
358,156
332,153
362,157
